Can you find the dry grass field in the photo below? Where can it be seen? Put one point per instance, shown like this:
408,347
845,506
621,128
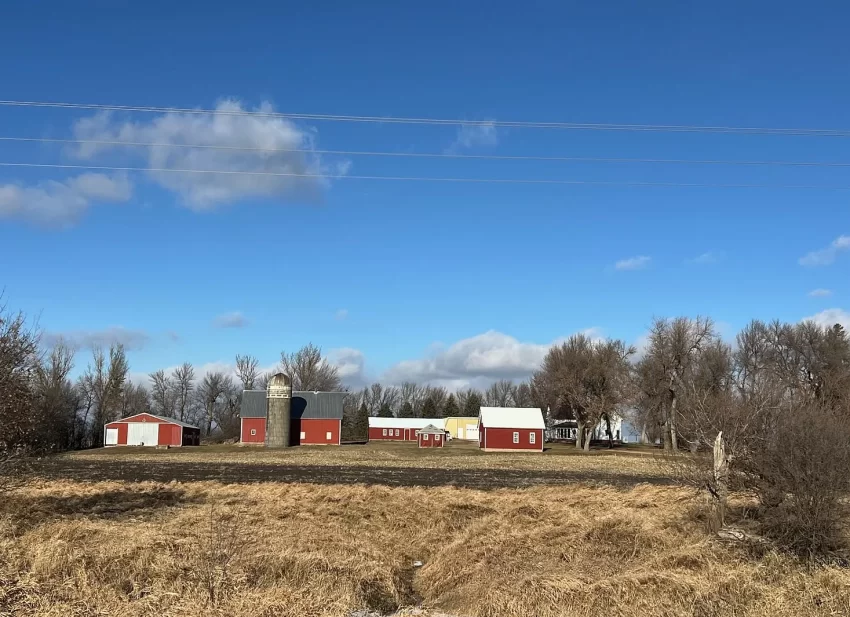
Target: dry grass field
81,544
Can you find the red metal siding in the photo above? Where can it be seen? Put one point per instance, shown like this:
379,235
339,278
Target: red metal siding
433,441
258,424
403,434
122,431
170,435
503,439
316,431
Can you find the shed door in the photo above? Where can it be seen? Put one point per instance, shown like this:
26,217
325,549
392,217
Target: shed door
472,432
142,433
111,437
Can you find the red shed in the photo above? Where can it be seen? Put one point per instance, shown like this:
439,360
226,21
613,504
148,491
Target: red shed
146,429
511,428
431,437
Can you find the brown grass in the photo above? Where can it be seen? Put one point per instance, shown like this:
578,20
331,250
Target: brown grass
112,548
456,455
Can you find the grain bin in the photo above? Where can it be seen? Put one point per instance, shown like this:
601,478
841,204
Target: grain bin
280,403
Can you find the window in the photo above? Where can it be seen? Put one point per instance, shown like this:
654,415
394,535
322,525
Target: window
396,432
253,431
385,432
436,438
424,436
303,435
328,435
532,437
516,437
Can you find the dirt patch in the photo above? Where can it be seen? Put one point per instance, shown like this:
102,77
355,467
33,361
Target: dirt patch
83,469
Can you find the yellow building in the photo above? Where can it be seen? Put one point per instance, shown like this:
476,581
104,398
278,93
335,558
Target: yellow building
462,428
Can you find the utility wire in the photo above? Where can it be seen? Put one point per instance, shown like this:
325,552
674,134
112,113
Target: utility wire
438,155
667,128
433,179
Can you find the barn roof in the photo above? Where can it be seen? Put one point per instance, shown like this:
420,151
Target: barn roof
376,422
512,417
305,405
163,418
431,430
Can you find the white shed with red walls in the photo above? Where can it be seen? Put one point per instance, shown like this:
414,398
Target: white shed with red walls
146,429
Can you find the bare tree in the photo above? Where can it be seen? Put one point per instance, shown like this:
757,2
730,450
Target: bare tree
183,383
674,346
106,377
523,395
586,380
56,401
500,394
19,365
247,371
310,371
211,394
134,400
162,394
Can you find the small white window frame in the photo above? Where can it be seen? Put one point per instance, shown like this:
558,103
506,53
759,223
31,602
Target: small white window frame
424,436
328,435
532,438
253,431
436,438
303,435
397,432
516,436
385,433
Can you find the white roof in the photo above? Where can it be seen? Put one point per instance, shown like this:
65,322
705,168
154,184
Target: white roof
375,422
512,417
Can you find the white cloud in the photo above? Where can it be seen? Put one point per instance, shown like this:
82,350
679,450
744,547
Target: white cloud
474,135
55,203
88,339
341,314
827,255
475,361
228,141
709,257
351,365
633,263
234,319
829,317
820,293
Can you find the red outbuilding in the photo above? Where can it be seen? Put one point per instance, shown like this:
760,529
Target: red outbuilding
145,429
511,428
398,429
431,437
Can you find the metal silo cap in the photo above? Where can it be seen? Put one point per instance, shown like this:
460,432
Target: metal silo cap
280,386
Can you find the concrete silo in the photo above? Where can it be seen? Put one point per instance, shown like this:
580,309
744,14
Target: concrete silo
279,395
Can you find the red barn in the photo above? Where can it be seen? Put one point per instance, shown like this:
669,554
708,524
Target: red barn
315,418
431,437
511,428
399,429
146,429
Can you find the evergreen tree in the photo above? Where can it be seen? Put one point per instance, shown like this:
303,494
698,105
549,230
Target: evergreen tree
361,422
385,411
406,411
429,409
473,405
451,409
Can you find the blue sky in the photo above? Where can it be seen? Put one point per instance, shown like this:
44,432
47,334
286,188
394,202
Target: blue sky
455,283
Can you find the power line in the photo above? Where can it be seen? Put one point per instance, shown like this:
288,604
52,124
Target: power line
434,179
591,126
448,155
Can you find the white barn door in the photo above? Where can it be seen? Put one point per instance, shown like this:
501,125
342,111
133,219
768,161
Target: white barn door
472,432
111,437
142,433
